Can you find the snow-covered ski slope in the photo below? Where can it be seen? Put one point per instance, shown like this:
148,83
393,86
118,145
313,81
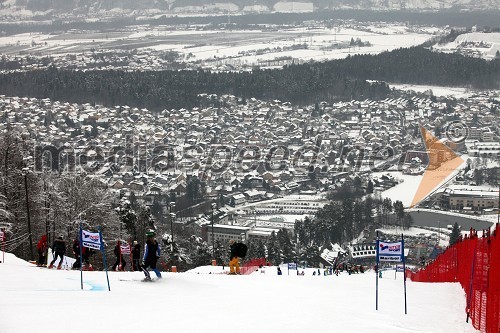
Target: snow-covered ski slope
31,298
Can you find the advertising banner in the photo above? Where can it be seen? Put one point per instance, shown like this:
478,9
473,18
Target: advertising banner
92,240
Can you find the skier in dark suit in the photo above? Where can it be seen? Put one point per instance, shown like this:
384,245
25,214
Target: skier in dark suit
58,249
151,256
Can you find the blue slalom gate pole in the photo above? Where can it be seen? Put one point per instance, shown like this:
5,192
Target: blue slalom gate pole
404,268
376,275
104,257
81,253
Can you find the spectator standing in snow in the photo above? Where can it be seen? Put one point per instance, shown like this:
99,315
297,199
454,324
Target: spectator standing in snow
279,271
76,252
58,250
234,261
120,261
42,250
136,256
151,256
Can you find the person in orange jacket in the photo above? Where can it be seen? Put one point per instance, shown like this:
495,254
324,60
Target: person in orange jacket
234,260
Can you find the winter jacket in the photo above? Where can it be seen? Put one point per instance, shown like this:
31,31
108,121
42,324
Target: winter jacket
151,252
117,250
76,247
232,250
136,252
42,243
59,246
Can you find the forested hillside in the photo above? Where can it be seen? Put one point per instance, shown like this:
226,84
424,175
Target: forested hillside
307,83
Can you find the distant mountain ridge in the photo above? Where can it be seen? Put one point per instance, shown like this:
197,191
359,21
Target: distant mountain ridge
68,8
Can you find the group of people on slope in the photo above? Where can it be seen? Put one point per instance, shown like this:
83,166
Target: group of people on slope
59,250
150,258
152,252
85,255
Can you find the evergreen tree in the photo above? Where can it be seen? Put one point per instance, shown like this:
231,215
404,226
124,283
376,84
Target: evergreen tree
200,251
310,256
346,221
260,249
399,210
356,183
145,222
256,249
455,234
128,217
219,252
273,250
156,208
133,201
386,208
407,221
286,246
359,220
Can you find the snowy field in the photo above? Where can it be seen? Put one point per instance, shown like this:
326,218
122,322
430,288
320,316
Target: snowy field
484,45
436,90
224,47
253,47
197,301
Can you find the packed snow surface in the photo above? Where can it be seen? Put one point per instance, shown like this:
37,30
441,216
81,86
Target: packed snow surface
203,300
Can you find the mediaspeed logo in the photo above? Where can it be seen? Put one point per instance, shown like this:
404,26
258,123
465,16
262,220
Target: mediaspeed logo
443,161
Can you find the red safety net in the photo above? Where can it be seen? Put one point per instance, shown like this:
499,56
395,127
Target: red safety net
252,265
474,262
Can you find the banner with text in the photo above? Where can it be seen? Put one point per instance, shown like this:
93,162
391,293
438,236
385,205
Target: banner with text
390,251
92,240
124,249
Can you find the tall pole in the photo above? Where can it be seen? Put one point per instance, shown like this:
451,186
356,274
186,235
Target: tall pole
404,268
213,237
172,216
80,240
213,241
377,268
28,212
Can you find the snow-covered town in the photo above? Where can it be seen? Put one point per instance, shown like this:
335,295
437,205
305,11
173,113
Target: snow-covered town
294,166
266,164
